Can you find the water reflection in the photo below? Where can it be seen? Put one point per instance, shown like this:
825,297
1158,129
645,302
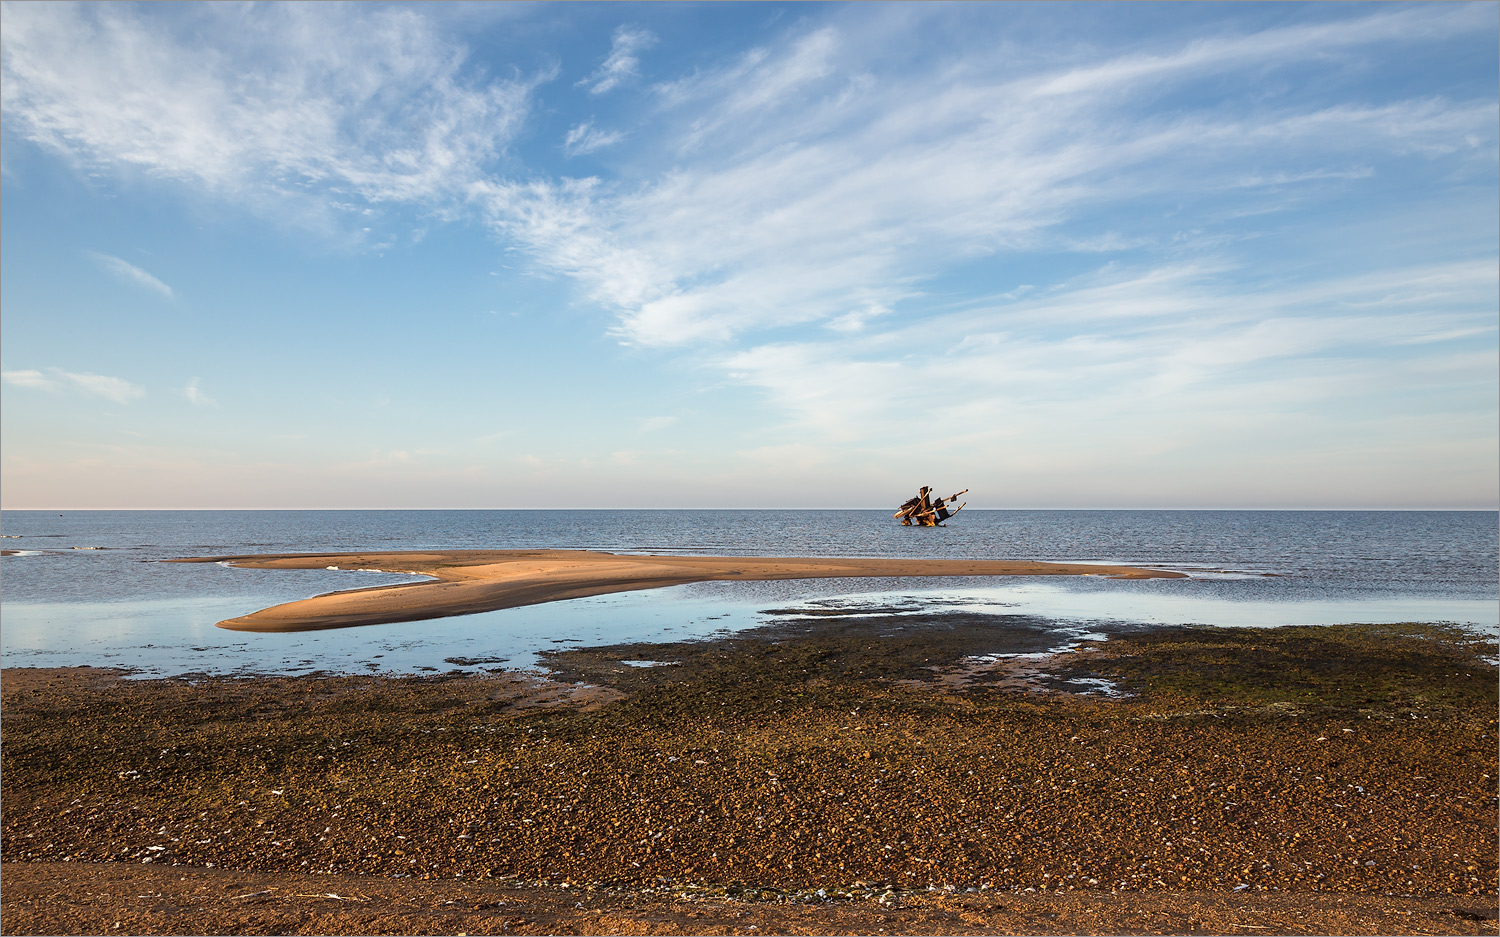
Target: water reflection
173,636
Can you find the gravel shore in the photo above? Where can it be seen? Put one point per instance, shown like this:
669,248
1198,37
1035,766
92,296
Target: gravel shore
119,898
759,770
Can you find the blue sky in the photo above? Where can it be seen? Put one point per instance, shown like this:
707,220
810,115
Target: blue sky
759,255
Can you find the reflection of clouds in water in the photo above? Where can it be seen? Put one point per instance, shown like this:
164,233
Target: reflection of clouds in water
177,636
1092,685
1062,599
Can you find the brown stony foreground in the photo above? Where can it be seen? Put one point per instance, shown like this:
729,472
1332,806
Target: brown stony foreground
117,898
1276,771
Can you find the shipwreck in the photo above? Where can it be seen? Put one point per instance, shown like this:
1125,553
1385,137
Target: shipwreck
927,511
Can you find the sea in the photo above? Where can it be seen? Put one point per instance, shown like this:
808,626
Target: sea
91,587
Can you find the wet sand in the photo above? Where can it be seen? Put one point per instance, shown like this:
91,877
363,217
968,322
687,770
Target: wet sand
1298,780
468,581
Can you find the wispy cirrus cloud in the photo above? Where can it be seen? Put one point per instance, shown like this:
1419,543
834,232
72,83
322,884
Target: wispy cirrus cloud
623,62
586,138
130,273
1131,348
748,90
300,104
1288,44
34,380
806,184
56,380
818,230
819,217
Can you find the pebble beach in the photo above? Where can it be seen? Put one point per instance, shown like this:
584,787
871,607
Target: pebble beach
794,766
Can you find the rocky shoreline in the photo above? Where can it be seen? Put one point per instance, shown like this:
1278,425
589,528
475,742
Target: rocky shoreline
1354,761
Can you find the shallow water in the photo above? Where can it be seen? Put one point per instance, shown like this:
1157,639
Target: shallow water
89,587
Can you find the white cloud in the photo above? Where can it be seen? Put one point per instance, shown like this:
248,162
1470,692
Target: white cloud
291,103
110,388
818,187
1172,343
195,395
809,235
651,424
56,380
857,320
586,138
811,201
759,81
130,273
622,63
34,380
1297,43
803,202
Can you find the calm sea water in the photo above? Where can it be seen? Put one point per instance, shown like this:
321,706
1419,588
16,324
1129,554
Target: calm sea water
88,587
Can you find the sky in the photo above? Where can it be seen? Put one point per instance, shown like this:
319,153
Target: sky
749,255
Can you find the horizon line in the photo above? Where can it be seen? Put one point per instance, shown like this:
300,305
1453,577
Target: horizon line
1389,509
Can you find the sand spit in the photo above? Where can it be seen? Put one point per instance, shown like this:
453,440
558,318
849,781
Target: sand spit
468,581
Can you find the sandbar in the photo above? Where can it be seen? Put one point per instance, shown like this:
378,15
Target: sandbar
467,581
